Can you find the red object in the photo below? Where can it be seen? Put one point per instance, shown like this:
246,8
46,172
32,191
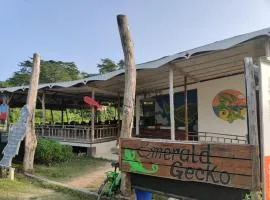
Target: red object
3,116
91,102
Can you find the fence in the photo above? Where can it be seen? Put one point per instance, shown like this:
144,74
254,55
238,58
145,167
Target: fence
78,133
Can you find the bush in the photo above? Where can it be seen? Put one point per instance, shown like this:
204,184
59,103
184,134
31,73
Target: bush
50,151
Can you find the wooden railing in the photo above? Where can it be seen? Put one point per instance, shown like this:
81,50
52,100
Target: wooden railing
78,133
208,137
203,137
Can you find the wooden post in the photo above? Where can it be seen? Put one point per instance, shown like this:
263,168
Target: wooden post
93,119
81,114
129,94
138,112
67,116
52,116
62,116
171,104
43,108
118,122
118,109
30,138
253,136
186,110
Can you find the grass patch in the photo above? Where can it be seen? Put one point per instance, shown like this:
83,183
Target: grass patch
77,166
24,188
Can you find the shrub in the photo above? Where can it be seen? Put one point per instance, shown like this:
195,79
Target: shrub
50,151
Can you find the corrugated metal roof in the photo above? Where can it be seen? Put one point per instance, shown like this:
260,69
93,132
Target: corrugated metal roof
216,46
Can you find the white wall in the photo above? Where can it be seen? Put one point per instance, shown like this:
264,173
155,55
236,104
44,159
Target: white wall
206,91
207,120
106,150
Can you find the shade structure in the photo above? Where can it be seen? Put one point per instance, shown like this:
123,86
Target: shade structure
91,102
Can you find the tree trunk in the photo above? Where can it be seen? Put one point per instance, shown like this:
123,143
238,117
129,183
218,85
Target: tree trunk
129,95
30,138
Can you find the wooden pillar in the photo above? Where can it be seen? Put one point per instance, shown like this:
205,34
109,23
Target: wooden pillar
81,113
253,135
62,116
115,110
52,116
67,116
138,112
171,94
43,107
30,138
118,109
93,119
129,94
118,122
186,110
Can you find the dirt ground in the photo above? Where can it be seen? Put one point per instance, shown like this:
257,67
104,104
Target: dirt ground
93,179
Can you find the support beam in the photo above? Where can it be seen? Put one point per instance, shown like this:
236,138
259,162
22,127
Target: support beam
119,109
62,116
93,118
43,106
138,114
81,114
52,116
67,116
118,121
129,94
171,94
30,138
186,110
253,135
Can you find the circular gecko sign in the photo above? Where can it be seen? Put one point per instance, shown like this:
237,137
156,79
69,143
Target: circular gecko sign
230,105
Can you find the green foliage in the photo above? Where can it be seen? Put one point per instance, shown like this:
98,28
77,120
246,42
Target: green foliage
14,114
26,188
3,84
107,113
77,166
49,152
51,71
107,65
253,195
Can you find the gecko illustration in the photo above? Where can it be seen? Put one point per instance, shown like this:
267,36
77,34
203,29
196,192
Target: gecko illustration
133,160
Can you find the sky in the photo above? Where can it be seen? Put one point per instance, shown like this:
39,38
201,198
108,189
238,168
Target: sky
85,31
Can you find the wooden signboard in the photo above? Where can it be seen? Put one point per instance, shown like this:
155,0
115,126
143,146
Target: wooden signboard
220,164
